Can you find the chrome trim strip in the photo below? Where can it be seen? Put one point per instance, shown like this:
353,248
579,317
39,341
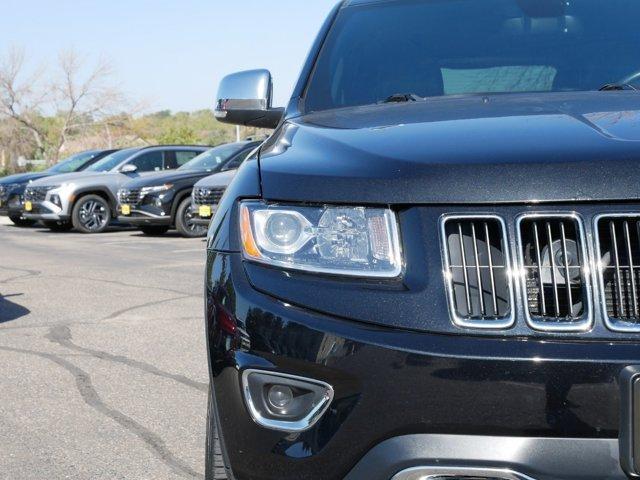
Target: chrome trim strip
294,427
612,324
586,323
503,323
426,473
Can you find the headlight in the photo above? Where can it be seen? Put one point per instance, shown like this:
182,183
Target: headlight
160,188
356,241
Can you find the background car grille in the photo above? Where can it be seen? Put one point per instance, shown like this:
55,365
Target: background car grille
619,256
5,190
36,194
553,259
129,196
477,271
208,196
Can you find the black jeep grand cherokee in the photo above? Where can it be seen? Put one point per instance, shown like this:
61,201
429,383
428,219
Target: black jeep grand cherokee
431,269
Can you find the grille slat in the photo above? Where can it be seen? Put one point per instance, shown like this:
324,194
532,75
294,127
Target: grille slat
477,271
565,254
554,280
553,257
619,261
492,276
208,196
36,194
634,292
130,196
539,264
465,273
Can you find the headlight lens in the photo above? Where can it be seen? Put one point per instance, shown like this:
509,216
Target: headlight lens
356,241
156,189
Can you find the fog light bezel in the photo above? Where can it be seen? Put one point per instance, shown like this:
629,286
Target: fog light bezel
291,426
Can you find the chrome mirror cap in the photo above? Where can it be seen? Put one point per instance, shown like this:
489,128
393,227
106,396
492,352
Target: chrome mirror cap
244,98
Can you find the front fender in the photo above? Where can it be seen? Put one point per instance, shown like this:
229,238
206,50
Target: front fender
223,236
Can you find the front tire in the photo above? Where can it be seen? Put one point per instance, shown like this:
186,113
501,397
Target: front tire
214,466
18,221
184,221
91,214
154,231
58,227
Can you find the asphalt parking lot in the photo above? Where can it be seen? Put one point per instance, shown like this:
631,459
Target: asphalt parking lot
102,357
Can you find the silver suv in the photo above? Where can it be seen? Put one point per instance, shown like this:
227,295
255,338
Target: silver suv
86,200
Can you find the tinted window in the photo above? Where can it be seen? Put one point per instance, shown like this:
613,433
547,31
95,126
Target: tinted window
213,160
73,163
185,156
149,162
448,47
110,162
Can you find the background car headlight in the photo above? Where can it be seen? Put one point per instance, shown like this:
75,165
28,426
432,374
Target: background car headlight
357,241
156,189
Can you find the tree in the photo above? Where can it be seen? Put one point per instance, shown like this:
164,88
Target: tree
22,97
80,96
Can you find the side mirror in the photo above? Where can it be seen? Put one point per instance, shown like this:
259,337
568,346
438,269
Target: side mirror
244,98
129,168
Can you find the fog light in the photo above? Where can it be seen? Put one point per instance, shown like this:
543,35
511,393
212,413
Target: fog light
280,396
55,199
285,402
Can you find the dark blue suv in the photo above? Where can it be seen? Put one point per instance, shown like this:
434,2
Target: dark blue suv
431,269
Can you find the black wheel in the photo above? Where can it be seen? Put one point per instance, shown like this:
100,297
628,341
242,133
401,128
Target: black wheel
184,221
58,226
154,231
214,465
21,222
91,214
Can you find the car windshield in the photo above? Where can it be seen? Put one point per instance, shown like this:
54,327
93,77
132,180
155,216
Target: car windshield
433,48
73,163
110,162
215,159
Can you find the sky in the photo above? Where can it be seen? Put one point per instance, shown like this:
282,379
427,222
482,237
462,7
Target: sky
169,54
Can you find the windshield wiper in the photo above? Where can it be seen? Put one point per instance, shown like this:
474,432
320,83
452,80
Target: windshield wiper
609,87
403,98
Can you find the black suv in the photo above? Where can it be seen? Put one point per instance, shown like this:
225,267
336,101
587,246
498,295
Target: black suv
158,202
431,269
12,187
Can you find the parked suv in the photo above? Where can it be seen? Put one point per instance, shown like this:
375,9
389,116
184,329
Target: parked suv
431,270
157,202
86,200
12,187
208,192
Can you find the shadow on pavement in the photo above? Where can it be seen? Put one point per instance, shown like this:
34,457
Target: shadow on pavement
11,311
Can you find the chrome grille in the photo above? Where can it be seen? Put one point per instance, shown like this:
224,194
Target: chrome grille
477,271
553,257
618,246
36,194
129,196
208,196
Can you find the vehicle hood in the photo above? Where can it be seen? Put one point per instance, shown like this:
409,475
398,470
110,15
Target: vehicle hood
73,177
468,149
172,176
23,178
222,179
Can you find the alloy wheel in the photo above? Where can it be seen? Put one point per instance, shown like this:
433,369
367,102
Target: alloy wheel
93,215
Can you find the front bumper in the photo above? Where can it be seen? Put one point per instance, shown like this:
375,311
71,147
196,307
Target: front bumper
143,220
405,399
147,214
11,206
46,211
200,219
